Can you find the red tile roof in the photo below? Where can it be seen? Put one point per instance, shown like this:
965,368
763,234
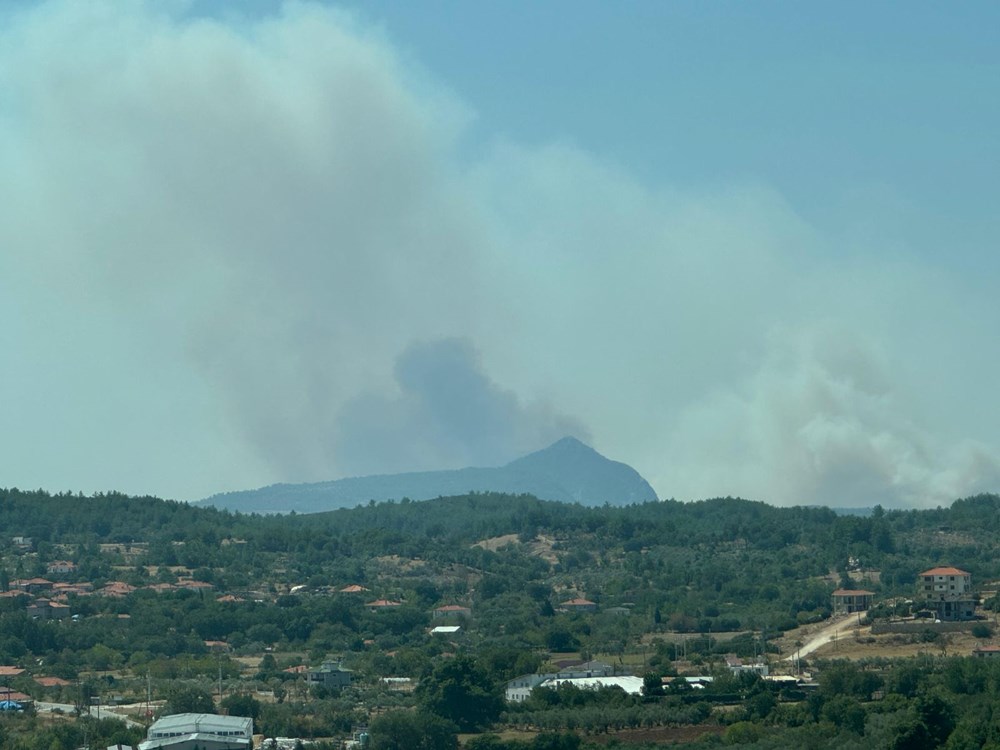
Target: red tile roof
853,592
944,572
52,681
117,588
24,582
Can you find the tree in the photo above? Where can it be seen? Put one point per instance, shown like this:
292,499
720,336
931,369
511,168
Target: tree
462,692
555,742
242,704
845,712
409,730
652,684
189,700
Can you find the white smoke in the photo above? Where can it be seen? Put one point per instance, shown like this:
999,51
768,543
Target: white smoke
228,242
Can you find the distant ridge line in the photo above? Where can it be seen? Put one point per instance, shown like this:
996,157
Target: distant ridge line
567,471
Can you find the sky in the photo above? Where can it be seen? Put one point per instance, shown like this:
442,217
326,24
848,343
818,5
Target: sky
747,248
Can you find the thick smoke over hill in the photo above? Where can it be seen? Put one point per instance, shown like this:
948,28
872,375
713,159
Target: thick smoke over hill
447,414
244,250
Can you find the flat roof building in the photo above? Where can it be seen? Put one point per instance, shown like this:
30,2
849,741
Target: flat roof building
199,732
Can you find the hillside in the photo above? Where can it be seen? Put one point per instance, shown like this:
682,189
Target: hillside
183,603
567,471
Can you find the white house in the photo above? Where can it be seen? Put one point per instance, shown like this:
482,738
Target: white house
937,582
949,593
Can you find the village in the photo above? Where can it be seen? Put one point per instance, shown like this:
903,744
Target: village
943,616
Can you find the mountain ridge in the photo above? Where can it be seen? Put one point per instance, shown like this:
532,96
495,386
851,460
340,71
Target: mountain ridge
566,471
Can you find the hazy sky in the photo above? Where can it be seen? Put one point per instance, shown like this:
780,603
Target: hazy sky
748,248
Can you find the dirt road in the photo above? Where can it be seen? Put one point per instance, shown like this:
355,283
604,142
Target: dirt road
836,629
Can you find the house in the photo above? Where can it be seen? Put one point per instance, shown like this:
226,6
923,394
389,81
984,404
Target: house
380,605
201,731
330,675
63,590
446,630
519,689
60,567
32,585
579,605
116,589
45,609
353,588
948,592
953,608
849,601
451,610
986,652
943,581
736,666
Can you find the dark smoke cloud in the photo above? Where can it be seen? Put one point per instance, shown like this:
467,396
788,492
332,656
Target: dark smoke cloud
447,413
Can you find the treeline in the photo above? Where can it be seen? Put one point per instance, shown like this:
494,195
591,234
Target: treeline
717,565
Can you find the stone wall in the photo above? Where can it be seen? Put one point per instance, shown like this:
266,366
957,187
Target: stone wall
919,626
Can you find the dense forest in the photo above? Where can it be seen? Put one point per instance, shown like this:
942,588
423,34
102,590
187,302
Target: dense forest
214,610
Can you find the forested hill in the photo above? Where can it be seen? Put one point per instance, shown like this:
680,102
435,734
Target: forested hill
157,581
567,471
811,541
116,517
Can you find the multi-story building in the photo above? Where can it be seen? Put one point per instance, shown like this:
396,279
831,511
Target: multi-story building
936,582
948,592
330,675
849,601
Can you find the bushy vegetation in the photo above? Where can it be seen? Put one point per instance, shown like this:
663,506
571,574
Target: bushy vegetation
654,570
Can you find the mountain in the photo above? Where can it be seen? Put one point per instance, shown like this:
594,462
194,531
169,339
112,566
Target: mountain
567,471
